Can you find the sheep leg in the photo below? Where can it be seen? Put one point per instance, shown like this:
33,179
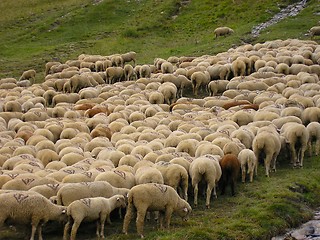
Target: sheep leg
243,171
127,218
167,216
141,213
267,162
33,231
310,147
195,193
317,147
208,196
102,223
66,229
74,229
293,155
40,232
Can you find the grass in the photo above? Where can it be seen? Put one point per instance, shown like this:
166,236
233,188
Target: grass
36,31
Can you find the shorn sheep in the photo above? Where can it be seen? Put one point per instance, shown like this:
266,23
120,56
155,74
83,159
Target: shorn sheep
91,209
154,197
29,208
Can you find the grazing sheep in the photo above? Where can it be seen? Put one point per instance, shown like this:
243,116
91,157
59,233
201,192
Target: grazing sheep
222,31
248,164
314,138
199,80
314,31
91,209
74,191
175,176
154,197
29,74
230,167
267,145
296,136
205,168
29,208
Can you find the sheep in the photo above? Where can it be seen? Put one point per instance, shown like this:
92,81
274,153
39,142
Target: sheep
230,167
169,92
314,138
74,191
91,209
296,136
29,74
118,178
28,207
248,164
199,79
147,174
314,31
129,72
222,31
154,197
267,144
175,176
205,168
128,57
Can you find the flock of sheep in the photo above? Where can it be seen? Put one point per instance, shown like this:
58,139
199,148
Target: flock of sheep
102,133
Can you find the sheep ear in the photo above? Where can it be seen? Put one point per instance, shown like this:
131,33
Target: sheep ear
185,209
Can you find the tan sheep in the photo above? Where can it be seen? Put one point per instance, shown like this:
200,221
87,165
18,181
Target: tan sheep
248,164
91,209
205,168
29,208
314,31
74,191
175,176
154,197
29,74
222,31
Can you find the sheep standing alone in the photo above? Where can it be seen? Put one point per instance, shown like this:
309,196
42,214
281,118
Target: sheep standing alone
25,207
314,31
154,197
222,31
91,209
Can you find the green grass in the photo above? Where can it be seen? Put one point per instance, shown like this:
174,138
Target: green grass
37,31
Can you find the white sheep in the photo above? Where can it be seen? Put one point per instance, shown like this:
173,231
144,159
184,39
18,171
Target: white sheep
222,31
296,136
91,209
154,197
248,163
205,168
267,142
29,74
29,208
175,176
314,138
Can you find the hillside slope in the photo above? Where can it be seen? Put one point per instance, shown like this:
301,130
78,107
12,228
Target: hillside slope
37,31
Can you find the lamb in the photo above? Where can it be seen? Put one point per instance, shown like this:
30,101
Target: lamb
23,207
248,164
74,191
222,31
205,168
154,197
91,209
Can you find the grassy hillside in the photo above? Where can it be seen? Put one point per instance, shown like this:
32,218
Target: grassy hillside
37,31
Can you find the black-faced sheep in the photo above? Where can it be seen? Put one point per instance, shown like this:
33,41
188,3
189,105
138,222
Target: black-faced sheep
154,197
29,208
91,209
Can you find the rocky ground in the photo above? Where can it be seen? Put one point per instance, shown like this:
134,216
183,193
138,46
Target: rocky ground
289,11
309,230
